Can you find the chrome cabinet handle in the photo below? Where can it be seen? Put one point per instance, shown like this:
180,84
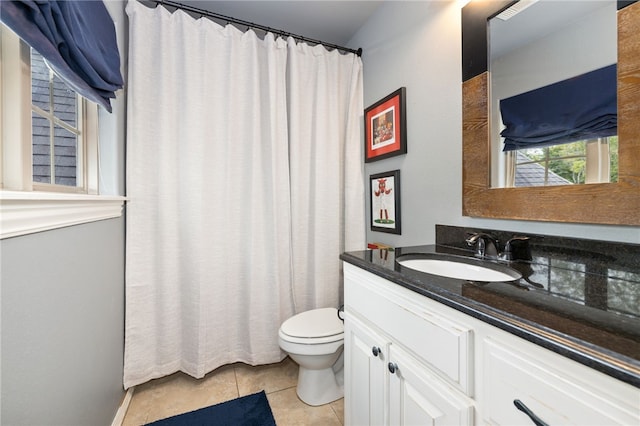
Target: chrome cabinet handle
535,419
392,367
376,351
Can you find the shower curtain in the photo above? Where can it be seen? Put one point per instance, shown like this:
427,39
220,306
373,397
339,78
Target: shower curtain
244,184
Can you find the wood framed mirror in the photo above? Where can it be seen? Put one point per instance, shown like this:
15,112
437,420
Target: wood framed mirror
604,203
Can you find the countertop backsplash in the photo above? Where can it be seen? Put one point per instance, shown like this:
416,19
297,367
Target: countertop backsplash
593,252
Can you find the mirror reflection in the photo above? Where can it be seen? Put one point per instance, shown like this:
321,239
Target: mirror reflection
555,58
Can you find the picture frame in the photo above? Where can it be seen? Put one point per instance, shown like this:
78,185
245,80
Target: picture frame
384,197
385,127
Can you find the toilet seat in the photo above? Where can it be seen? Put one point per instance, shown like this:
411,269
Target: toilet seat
313,327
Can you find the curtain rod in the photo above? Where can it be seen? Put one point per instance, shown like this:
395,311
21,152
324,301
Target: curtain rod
248,24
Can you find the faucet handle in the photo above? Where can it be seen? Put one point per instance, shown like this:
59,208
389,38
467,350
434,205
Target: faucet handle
486,244
518,238
474,237
519,253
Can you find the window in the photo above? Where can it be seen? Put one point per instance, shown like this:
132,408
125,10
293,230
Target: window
48,148
57,133
52,135
592,161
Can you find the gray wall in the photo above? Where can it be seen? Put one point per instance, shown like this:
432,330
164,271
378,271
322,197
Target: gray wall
418,45
62,325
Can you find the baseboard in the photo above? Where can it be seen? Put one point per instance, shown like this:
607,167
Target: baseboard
124,406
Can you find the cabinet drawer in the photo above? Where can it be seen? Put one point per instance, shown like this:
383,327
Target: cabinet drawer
410,321
553,389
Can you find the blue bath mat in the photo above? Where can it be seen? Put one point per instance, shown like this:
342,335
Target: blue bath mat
250,410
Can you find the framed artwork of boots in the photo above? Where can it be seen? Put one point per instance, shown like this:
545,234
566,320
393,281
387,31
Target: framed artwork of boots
384,197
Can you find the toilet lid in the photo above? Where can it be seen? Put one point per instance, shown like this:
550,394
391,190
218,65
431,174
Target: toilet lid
314,323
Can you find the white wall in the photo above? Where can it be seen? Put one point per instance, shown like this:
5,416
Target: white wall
417,44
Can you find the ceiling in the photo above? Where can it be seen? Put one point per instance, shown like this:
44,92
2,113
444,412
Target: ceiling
539,20
333,22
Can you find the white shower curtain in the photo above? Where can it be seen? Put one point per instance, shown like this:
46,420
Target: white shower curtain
244,179
325,105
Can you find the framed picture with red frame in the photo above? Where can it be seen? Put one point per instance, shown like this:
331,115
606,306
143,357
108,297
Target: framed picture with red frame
385,127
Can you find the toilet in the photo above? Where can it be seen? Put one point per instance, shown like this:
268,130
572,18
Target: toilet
314,340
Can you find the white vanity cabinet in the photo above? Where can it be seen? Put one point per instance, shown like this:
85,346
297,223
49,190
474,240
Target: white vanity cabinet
450,368
554,389
393,375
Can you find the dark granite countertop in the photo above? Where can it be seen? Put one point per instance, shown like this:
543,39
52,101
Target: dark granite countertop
577,303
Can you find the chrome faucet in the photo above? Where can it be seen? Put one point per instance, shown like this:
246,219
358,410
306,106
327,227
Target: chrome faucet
486,245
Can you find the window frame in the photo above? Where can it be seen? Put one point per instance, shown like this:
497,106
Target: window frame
27,207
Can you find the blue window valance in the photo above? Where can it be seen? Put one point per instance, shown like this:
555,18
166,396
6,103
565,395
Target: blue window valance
76,38
583,107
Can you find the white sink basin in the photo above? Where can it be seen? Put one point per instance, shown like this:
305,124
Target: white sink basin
459,270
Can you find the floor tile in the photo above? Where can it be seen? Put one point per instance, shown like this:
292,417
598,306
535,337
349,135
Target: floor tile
288,410
180,393
270,377
338,408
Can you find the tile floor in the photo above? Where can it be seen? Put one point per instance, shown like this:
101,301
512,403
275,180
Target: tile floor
180,393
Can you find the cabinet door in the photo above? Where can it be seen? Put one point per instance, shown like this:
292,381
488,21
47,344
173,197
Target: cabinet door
418,397
522,386
364,362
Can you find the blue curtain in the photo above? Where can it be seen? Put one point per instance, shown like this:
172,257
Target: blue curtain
76,38
583,107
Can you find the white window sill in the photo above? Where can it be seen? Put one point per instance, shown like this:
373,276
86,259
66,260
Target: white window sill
24,213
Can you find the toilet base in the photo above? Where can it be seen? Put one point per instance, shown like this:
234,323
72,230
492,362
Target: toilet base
318,387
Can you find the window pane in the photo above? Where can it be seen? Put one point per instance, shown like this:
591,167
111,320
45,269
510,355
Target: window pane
530,174
64,102
65,157
535,173
41,149
59,105
572,170
593,161
39,81
567,150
